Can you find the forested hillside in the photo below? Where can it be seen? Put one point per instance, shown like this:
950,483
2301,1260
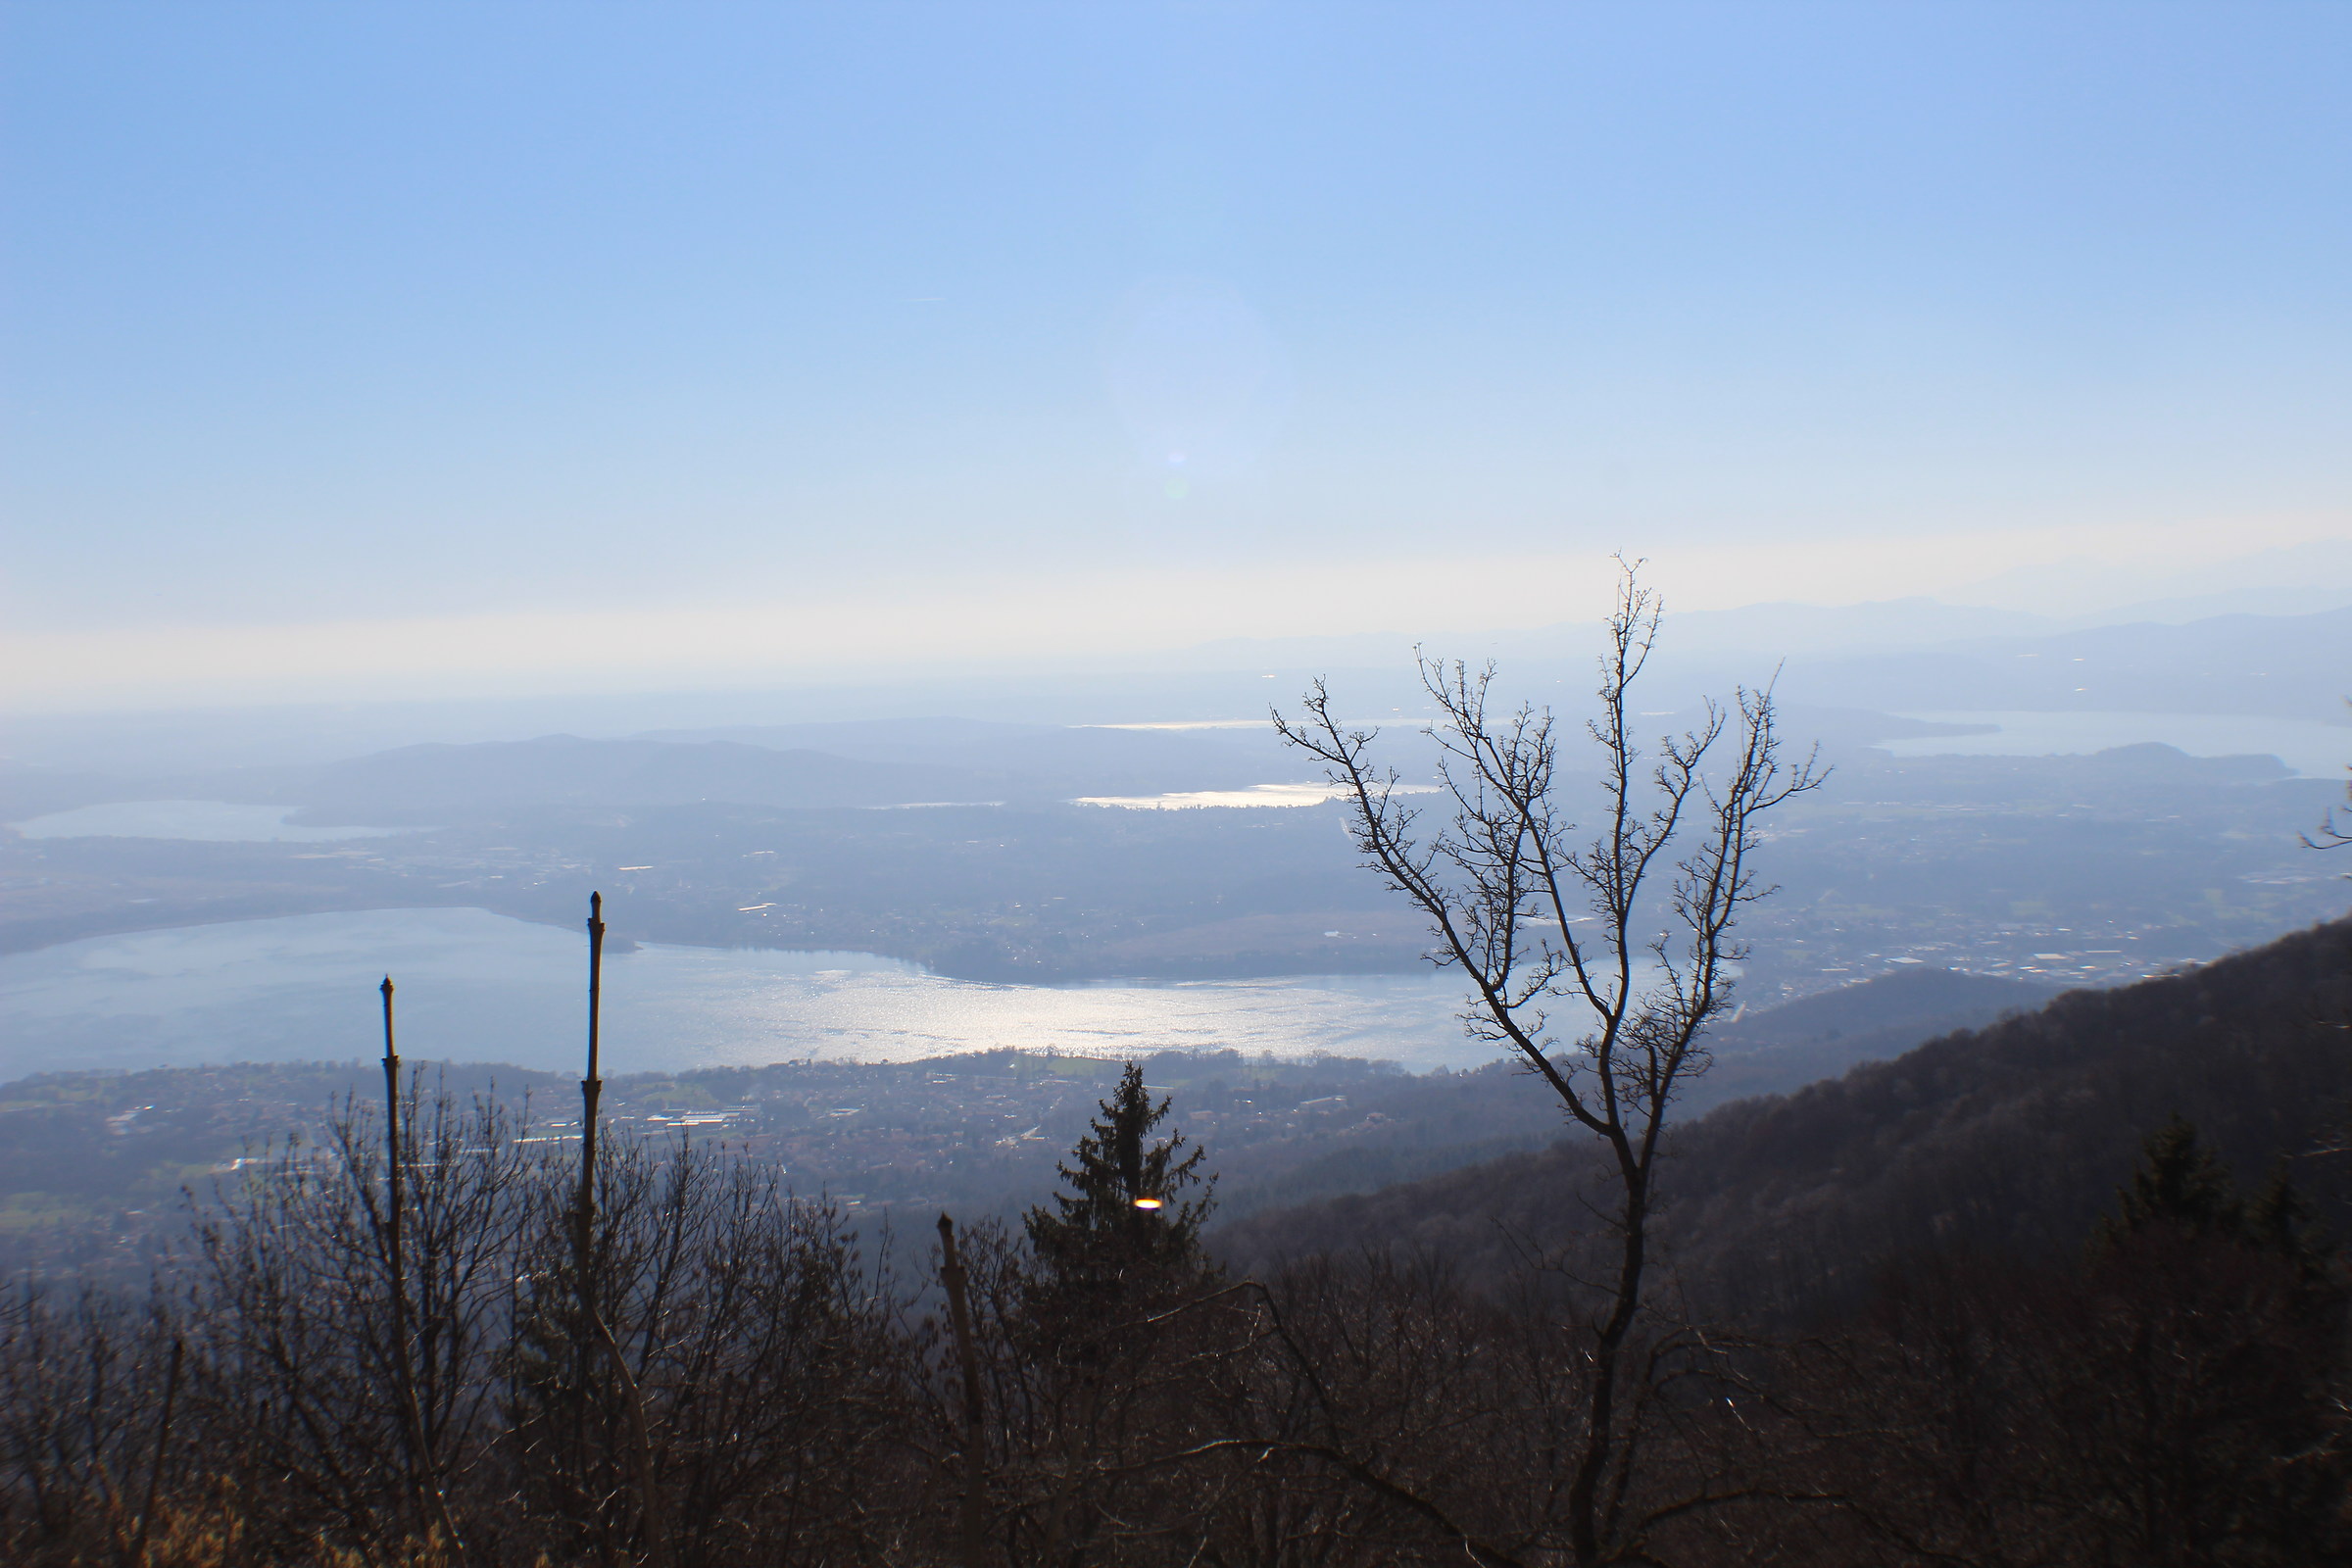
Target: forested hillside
2011,1137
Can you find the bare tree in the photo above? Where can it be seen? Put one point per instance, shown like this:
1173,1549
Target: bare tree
1598,956
318,1384
2334,831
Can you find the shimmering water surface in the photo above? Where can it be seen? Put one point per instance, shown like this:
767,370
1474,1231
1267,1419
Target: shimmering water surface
480,987
1254,795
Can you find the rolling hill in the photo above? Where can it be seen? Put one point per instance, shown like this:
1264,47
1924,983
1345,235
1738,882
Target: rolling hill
2012,1136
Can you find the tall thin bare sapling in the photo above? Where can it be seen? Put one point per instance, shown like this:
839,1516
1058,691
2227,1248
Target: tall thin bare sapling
970,1516
1540,919
163,1445
596,1333
424,1479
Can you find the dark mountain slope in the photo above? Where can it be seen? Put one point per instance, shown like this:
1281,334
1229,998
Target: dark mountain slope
1817,1037
1901,998
2010,1136
1419,1127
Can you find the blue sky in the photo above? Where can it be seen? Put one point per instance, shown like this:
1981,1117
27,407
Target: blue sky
495,345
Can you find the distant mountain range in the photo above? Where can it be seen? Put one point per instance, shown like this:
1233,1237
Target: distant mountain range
2241,648
1903,656
2285,667
2298,580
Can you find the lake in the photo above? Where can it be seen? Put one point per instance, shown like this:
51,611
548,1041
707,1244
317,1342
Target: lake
475,986
1254,795
2309,747
203,821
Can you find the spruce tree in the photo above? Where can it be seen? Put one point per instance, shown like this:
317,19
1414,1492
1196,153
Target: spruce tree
2180,1184
2279,1219
1125,1219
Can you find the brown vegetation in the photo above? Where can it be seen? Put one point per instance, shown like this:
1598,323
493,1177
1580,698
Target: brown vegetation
2171,1393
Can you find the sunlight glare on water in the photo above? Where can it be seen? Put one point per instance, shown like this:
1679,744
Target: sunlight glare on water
480,987
1254,795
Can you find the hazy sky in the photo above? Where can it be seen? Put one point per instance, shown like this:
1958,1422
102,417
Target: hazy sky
492,345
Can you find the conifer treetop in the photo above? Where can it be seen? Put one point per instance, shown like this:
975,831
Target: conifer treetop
1114,1177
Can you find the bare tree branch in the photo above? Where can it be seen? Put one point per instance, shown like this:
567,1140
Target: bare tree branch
1507,884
